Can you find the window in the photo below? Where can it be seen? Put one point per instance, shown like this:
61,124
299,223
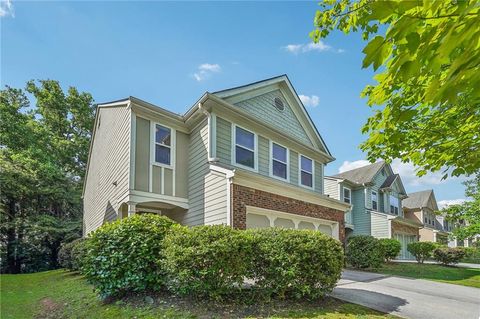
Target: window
306,171
163,144
279,161
426,220
347,197
374,201
244,147
393,205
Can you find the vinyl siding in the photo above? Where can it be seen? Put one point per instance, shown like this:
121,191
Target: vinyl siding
142,154
293,167
108,164
318,177
361,217
215,199
224,138
331,188
379,226
263,156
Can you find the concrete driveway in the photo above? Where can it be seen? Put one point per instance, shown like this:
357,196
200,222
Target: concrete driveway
409,298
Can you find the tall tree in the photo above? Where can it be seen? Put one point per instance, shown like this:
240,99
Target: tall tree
426,98
44,148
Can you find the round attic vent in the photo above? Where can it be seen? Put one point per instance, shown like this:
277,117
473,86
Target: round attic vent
279,104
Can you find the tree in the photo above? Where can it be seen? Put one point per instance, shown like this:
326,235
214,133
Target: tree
44,148
426,99
468,212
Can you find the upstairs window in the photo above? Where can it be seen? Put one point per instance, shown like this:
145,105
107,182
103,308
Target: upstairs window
244,147
393,205
163,144
347,195
374,201
279,161
306,171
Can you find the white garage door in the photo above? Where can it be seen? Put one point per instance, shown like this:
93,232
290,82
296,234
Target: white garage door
263,218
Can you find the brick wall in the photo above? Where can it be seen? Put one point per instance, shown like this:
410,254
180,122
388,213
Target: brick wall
244,196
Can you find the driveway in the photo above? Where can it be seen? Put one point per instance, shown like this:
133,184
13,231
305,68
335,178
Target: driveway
409,298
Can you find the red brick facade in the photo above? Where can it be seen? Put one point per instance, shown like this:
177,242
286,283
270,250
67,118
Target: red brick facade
244,196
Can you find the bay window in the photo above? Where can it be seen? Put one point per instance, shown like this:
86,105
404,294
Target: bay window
394,207
374,200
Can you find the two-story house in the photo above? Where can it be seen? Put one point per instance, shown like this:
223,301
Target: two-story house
376,194
246,157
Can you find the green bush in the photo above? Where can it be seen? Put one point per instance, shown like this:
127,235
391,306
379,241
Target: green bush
71,254
448,256
124,255
421,250
364,251
391,248
206,261
472,255
294,263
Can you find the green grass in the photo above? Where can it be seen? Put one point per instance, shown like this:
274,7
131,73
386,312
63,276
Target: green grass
60,294
452,275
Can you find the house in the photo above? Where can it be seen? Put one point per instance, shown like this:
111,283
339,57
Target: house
376,194
246,157
421,207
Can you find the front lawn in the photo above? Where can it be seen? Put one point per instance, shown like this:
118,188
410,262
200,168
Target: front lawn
453,275
61,294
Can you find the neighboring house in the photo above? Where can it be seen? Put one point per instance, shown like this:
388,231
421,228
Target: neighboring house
246,157
375,193
421,207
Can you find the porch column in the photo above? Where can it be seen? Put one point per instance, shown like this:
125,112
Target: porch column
132,206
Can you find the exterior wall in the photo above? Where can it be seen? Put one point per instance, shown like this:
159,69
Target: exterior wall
426,234
244,196
361,217
415,215
224,155
331,188
379,226
108,165
215,198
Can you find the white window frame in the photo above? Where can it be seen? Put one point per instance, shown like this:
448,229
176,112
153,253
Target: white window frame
172,145
300,172
376,201
234,149
350,197
287,163
397,206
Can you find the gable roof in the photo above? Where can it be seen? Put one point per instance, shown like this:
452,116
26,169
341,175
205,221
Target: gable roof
362,175
419,199
389,181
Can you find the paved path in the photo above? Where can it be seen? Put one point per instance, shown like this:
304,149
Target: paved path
462,265
409,298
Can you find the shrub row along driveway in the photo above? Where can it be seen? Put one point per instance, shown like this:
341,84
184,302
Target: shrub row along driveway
409,298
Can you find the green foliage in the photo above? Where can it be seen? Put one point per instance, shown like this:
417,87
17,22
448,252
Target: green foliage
206,261
468,212
72,254
126,255
294,263
391,247
421,250
448,256
472,255
428,62
364,251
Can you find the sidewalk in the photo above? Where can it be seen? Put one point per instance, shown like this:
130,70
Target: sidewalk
462,265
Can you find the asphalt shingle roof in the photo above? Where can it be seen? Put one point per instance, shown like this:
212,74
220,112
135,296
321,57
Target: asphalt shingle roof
363,174
417,199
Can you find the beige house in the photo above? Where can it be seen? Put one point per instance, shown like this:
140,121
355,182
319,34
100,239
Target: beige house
246,157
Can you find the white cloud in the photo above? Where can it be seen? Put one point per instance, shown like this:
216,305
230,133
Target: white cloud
205,70
347,165
310,101
448,202
320,46
6,8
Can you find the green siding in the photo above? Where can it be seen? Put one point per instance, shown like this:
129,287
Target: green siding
263,156
293,167
168,182
224,137
361,218
318,177
379,226
142,154
156,179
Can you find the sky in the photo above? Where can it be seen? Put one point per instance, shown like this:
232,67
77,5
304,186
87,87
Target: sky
170,53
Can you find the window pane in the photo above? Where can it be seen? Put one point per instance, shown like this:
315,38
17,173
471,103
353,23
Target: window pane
245,138
306,164
162,135
162,154
279,153
346,192
374,205
280,169
244,157
306,179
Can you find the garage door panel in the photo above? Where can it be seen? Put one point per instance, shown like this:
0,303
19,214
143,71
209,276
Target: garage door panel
325,229
284,223
306,225
257,221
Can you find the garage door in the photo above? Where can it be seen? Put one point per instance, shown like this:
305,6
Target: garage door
263,218
405,239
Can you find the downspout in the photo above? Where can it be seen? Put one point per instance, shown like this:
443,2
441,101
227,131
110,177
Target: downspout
212,133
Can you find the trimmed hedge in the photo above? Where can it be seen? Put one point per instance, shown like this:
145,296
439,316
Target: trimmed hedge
72,254
391,248
421,250
447,256
364,251
206,261
294,263
124,255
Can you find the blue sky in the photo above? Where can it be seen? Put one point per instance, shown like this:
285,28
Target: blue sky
171,53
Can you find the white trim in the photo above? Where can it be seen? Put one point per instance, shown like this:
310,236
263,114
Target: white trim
172,145
371,199
255,149
213,139
287,163
133,146
300,172
229,173
343,195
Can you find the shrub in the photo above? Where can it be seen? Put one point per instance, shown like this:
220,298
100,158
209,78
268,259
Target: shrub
124,255
206,261
448,256
421,250
364,251
294,263
391,248
71,254
472,255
